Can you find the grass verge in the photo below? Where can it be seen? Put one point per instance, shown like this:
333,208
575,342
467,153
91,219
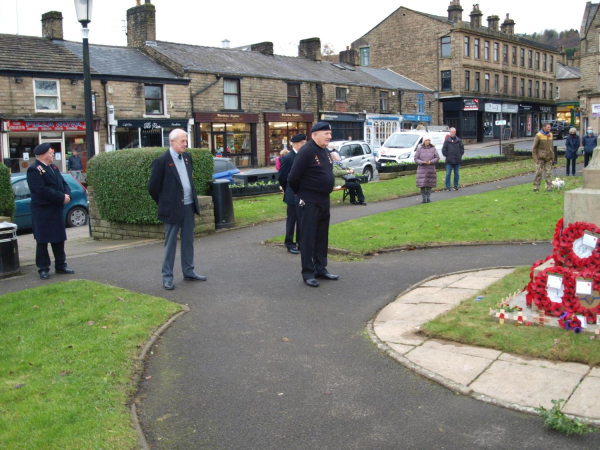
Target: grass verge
468,323
69,352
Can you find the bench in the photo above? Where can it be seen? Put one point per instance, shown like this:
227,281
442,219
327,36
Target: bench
344,189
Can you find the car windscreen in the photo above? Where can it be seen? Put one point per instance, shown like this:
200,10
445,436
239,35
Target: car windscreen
401,140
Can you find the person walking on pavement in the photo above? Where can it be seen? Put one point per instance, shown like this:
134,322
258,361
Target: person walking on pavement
171,186
74,165
426,157
572,144
49,193
311,179
291,222
543,156
589,143
341,172
453,149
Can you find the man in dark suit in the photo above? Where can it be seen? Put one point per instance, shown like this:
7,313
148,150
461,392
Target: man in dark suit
171,185
289,197
49,193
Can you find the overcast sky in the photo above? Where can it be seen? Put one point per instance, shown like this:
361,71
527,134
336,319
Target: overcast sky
246,22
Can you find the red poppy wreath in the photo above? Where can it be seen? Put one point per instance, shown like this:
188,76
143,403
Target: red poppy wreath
570,250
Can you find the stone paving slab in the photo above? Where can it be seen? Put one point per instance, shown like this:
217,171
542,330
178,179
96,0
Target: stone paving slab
419,293
595,372
578,369
474,282
449,296
444,281
585,399
398,333
401,348
492,273
453,347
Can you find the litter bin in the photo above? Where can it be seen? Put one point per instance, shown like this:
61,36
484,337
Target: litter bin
223,204
9,250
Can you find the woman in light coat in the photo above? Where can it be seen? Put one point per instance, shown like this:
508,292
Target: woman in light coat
426,157
572,144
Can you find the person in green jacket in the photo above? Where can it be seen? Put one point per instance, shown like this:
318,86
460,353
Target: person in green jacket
543,157
353,186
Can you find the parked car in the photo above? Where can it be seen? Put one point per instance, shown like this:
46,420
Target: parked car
224,169
402,145
356,155
75,213
560,129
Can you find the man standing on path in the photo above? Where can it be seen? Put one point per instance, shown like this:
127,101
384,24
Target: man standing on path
74,165
171,186
543,156
289,198
311,179
49,193
453,149
588,142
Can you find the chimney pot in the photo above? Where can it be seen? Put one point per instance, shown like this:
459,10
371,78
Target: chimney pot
141,25
455,11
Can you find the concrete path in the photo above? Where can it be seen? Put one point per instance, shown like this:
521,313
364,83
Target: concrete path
482,373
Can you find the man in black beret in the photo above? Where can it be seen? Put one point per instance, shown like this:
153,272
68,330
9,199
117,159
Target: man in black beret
289,198
49,193
311,179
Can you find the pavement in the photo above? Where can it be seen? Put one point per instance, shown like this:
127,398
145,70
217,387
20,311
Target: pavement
262,361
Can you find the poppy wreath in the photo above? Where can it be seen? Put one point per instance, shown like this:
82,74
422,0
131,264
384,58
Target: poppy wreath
572,302
539,262
570,323
536,291
563,247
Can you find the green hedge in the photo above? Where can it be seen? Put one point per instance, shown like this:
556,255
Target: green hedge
7,197
120,182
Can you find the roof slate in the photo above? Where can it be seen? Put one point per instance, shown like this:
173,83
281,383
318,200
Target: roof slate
567,72
396,80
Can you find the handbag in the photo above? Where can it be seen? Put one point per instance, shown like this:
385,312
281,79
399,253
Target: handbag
580,152
349,177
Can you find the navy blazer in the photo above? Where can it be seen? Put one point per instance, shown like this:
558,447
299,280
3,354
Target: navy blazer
286,166
166,189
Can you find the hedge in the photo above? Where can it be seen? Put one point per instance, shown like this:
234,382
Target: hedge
120,182
7,197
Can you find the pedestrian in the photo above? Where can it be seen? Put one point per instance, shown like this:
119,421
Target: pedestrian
453,149
282,153
345,177
49,193
311,179
543,156
572,144
291,222
589,143
171,186
426,157
74,164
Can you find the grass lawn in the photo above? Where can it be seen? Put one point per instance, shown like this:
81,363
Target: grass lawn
468,323
68,361
255,210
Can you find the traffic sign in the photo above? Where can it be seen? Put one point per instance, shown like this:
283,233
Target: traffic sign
500,122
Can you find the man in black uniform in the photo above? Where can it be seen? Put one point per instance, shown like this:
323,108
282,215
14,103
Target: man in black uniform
49,193
289,198
311,179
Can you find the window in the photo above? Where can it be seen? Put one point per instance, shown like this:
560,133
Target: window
505,54
293,95
420,104
496,84
486,83
467,80
551,64
477,48
341,94
446,47
544,89
551,91
544,58
365,56
486,50
47,95
496,56
231,94
446,80
467,46
529,92
522,57
537,60
153,94
530,59
505,91
477,81
537,89
383,100
514,55
513,90
522,88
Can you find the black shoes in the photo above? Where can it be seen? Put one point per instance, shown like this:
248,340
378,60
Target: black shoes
293,251
328,276
312,282
44,274
168,285
359,203
195,277
65,270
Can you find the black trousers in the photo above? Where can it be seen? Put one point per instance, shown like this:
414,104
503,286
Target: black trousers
313,224
355,190
42,257
291,226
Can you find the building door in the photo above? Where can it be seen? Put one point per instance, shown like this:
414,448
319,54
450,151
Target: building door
220,145
59,154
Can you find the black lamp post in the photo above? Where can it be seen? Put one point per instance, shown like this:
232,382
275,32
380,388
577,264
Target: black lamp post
84,16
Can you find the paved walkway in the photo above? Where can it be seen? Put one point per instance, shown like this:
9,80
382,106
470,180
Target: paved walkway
485,374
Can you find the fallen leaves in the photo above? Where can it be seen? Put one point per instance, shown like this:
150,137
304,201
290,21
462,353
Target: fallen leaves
286,339
91,322
65,372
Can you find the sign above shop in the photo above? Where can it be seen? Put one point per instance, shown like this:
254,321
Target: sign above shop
385,117
546,109
493,107
343,117
152,124
417,118
471,104
595,110
500,122
508,108
226,117
288,117
32,125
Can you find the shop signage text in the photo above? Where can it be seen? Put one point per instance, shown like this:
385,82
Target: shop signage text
151,124
417,118
226,117
26,125
506,108
471,104
595,110
493,107
343,117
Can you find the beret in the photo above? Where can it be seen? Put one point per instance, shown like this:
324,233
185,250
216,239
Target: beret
320,126
298,138
41,149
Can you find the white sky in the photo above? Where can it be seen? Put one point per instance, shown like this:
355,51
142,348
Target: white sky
202,22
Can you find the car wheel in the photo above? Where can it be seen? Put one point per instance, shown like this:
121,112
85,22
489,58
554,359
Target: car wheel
369,172
77,217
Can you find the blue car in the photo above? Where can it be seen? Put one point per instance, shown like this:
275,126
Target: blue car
224,169
75,213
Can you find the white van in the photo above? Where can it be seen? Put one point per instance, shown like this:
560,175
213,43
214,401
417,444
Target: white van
402,146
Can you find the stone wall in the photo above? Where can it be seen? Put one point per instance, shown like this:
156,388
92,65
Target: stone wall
104,229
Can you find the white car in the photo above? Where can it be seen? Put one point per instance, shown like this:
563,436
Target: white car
356,155
402,146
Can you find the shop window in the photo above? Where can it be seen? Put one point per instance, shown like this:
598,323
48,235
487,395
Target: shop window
293,95
496,55
341,94
505,54
486,85
384,101
467,46
513,90
446,47
231,94
477,48
505,84
551,63
467,80
365,56
514,55
486,50
47,95
420,103
530,59
153,95
477,81
446,80
522,57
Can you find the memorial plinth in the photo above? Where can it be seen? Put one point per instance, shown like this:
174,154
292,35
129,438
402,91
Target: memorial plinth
583,204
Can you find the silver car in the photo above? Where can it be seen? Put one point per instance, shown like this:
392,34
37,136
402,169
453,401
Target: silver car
356,155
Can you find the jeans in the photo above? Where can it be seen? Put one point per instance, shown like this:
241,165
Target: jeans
571,163
449,168
76,174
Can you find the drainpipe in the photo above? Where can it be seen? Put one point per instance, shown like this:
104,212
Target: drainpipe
319,87
104,82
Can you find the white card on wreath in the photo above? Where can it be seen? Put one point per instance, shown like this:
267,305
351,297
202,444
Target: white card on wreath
554,281
590,239
583,287
583,321
555,295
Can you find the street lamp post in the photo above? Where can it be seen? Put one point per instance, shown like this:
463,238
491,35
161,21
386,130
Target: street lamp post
84,16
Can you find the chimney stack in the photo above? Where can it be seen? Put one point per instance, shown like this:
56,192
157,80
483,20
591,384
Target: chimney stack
310,49
52,25
266,48
493,22
508,26
455,11
141,25
349,57
476,16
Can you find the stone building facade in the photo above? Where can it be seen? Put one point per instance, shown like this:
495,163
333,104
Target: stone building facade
568,82
589,91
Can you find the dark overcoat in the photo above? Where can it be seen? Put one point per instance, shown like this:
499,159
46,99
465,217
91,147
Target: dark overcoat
426,175
48,189
286,165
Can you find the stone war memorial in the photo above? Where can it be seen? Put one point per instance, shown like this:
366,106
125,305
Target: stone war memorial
564,288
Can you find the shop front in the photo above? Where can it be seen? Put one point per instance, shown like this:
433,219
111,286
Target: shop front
347,126
20,137
466,115
532,116
144,132
494,111
379,127
280,127
228,135
569,112
412,121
